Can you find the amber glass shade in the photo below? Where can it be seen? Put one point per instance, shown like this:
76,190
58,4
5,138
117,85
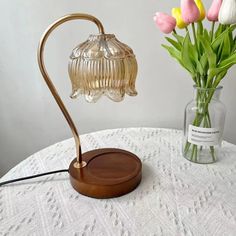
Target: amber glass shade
102,65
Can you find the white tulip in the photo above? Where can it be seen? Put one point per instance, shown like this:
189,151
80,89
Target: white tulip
227,14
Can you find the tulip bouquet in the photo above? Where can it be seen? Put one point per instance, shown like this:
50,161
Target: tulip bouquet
206,54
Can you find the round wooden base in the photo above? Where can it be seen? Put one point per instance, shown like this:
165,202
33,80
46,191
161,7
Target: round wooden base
109,173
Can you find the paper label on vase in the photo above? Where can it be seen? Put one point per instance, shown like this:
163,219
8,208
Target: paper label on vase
203,136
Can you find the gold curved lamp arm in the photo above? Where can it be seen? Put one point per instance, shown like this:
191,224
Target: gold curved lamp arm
40,55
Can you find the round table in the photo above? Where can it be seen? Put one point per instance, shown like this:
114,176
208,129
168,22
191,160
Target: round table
175,197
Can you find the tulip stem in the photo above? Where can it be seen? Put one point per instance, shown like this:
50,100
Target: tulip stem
212,30
186,28
194,36
174,31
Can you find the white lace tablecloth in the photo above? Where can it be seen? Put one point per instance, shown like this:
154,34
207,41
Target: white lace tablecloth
175,197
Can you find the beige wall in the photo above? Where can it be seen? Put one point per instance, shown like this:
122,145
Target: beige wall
29,117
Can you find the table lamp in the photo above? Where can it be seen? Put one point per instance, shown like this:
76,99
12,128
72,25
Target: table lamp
100,65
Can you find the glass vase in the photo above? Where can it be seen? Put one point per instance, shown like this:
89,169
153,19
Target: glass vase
203,126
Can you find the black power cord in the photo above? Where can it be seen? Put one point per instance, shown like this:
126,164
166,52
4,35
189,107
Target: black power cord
32,176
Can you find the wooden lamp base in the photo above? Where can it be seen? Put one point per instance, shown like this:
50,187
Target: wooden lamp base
109,173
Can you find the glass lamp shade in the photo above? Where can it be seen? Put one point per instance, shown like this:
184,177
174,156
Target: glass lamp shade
102,65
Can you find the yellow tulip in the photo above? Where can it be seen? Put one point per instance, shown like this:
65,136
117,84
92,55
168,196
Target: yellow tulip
176,13
201,9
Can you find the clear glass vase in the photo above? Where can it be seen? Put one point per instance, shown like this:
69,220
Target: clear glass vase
203,126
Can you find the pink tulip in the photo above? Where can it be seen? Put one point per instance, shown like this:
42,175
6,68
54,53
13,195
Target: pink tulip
164,22
212,14
190,11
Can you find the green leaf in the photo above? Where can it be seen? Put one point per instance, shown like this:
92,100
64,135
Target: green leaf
219,51
219,39
193,54
209,52
177,55
215,71
219,77
231,39
179,38
174,53
204,61
226,49
200,68
185,55
207,35
234,45
174,43
228,61
218,31
224,65
200,31
199,28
